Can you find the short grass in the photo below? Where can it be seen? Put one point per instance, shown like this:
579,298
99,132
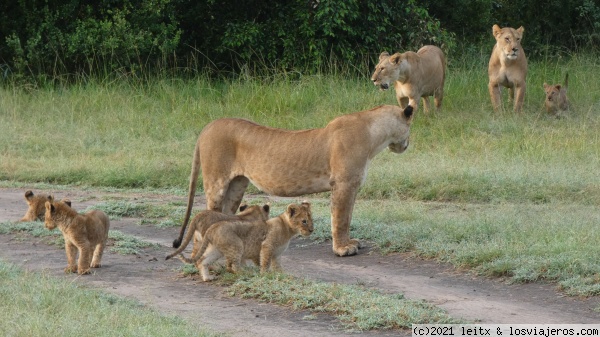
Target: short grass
34,304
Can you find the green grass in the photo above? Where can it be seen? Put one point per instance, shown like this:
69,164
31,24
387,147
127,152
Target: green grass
499,194
34,304
357,307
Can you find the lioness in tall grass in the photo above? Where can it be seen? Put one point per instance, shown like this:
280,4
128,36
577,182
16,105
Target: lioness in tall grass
85,234
507,67
414,75
261,241
203,220
288,163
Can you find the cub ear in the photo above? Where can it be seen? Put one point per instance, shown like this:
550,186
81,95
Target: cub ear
383,55
67,201
305,204
408,111
291,210
28,195
395,59
266,208
558,86
546,85
50,198
49,206
243,207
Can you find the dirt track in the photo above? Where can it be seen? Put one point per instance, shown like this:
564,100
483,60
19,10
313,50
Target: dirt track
153,281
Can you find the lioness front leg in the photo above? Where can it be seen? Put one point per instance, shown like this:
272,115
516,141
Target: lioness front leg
495,95
519,96
343,196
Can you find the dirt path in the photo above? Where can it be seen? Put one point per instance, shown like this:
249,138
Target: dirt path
155,282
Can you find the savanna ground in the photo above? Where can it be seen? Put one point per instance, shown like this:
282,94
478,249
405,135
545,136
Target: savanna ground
488,217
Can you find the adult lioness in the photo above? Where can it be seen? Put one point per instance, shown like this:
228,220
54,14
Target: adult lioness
83,233
289,163
260,241
415,76
203,220
508,66
35,206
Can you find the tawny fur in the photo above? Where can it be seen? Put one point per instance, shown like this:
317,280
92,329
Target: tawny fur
507,67
35,206
557,103
84,234
203,220
289,163
414,75
261,241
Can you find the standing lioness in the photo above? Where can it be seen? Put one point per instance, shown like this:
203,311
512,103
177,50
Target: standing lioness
414,75
234,152
508,67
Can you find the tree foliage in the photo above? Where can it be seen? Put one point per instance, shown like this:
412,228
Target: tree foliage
49,38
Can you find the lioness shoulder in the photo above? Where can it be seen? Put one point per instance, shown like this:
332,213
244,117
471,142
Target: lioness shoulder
84,234
261,241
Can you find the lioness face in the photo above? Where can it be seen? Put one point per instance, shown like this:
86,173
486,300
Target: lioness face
388,70
509,40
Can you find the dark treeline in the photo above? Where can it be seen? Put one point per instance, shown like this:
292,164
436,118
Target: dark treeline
54,38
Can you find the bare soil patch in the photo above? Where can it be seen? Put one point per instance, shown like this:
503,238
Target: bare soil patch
148,278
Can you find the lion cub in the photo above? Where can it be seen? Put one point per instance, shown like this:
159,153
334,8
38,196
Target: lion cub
557,102
203,220
36,208
84,233
261,241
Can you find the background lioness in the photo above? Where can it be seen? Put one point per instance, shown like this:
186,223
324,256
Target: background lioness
414,75
35,206
290,163
557,102
260,241
85,234
203,220
508,66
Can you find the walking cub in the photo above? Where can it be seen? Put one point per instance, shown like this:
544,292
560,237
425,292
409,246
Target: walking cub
85,234
261,241
36,208
203,220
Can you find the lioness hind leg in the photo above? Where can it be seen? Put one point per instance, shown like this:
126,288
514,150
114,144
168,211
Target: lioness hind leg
426,104
438,96
233,197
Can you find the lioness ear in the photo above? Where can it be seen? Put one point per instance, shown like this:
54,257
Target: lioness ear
395,59
496,30
28,195
383,55
521,30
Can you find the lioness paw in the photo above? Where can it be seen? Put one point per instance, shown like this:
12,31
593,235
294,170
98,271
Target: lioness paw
348,250
71,270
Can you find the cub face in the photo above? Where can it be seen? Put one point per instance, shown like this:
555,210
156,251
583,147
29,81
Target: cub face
55,212
508,40
300,218
35,206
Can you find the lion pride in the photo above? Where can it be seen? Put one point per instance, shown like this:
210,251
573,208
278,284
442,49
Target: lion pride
233,152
